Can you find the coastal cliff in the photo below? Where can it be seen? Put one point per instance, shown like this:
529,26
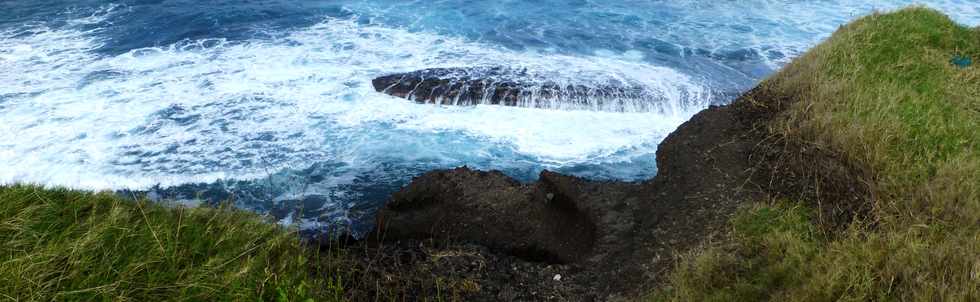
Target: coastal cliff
784,190
852,174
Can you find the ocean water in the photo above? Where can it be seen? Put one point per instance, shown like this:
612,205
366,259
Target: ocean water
269,103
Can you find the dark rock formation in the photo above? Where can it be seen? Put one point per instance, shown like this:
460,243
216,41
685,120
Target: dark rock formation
557,220
518,87
501,86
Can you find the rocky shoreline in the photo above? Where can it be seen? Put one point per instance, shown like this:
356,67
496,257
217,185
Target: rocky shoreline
483,236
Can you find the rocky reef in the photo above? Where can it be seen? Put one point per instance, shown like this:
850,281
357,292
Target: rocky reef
494,85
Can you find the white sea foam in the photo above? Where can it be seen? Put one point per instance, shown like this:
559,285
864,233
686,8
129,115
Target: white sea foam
205,110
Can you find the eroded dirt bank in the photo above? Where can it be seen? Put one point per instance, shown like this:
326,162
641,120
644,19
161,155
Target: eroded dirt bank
482,236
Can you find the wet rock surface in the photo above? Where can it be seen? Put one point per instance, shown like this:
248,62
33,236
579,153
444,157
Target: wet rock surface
467,86
500,86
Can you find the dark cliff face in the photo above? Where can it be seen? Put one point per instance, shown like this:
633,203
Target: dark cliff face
614,237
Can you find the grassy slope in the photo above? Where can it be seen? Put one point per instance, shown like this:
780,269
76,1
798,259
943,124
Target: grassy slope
65,245
882,93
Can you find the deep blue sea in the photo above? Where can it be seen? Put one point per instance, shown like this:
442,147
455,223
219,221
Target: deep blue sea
269,102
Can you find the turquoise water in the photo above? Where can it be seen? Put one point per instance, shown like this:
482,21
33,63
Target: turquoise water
270,103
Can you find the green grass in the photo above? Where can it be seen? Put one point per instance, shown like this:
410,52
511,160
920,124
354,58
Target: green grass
772,243
883,94
67,246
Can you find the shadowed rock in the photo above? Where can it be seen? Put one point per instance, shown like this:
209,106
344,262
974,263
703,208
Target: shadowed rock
545,222
516,87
